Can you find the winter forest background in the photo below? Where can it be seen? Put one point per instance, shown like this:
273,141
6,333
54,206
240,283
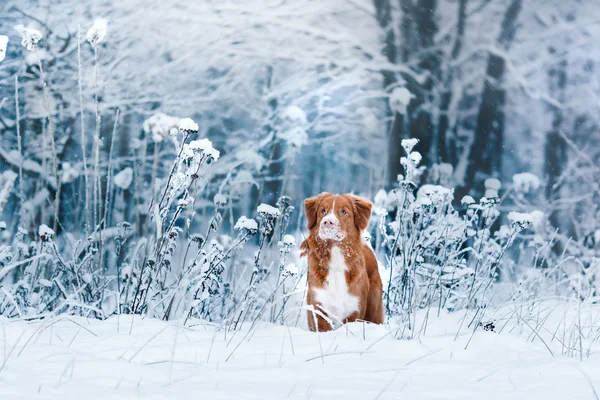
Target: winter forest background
113,202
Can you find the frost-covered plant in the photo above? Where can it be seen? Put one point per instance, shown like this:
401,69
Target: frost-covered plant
436,255
30,37
3,44
97,32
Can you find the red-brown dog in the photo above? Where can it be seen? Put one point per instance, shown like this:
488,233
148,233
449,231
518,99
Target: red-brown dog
343,277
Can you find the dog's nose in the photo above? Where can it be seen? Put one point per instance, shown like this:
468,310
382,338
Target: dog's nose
329,223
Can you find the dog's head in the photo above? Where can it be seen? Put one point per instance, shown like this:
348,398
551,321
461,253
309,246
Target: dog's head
337,218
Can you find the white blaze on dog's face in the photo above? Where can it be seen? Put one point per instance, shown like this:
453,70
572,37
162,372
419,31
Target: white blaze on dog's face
330,228
337,218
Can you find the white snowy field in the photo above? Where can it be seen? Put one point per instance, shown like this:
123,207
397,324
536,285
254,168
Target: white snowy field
123,358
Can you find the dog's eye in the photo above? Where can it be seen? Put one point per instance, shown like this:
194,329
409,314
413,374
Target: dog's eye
343,212
323,211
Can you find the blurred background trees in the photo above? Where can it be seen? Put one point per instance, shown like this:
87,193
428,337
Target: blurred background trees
302,97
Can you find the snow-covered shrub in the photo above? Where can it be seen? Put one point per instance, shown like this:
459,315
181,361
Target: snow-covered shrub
437,256
171,271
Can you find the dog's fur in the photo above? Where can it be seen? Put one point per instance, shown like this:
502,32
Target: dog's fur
343,276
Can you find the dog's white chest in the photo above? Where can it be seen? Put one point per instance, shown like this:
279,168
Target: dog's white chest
334,297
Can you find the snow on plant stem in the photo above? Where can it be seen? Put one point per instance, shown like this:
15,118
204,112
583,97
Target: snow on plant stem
520,220
45,232
30,37
202,146
246,223
267,209
97,32
3,43
124,178
409,144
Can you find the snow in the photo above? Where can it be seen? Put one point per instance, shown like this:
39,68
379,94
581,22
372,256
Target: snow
538,218
295,114
424,201
296,137
381,202
245,223
124,178
467,200
268,210
97,31
436,193
188,124
130,357
291,269
415,157
160,125
399,99
3,43
491,193
526,182
46,283
289,240
409,144
492,187
521,220
69,173
30,37
45,232
202,146
493,183
250,157
220,199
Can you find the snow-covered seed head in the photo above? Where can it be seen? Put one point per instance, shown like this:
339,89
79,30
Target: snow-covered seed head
287,243
3,43
124,229
399,99
160,126
415,157
30,37
188,125
520,221
526,182
198,239
124,178
202,146
220,200
266,210
467,201
493,183
45,232
247,225
97,32
267,215
290,270
409,144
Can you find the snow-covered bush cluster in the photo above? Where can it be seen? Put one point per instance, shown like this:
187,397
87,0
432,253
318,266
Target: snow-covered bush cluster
451,256
171,272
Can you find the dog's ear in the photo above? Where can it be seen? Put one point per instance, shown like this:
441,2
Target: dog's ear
310,205
362,211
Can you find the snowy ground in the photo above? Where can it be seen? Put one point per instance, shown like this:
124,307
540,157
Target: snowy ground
74,358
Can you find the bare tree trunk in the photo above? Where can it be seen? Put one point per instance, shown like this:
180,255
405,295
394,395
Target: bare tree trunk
421,122
442,147
274,179
556,155
486,151
384,18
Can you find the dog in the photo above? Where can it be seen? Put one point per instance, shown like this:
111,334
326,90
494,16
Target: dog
343,276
